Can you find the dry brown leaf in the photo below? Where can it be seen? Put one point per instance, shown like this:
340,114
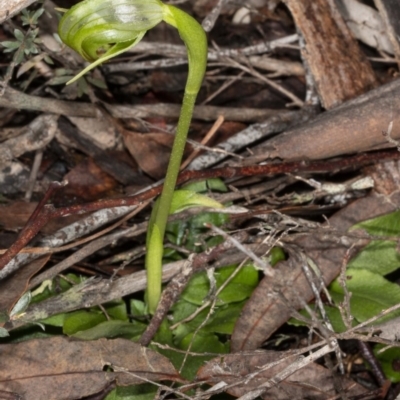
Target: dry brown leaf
15,215
311,382
15,285
268,307
150,150
87,181
58,368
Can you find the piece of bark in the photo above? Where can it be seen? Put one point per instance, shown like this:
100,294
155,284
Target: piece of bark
356,126
339,68
390,13
8,8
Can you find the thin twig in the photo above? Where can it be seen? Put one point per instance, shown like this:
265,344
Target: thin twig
209,21
265,267
41,218
290,370
37,161
217,124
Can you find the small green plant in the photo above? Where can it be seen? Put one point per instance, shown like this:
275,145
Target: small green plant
23,45
26,46
31,18
101,30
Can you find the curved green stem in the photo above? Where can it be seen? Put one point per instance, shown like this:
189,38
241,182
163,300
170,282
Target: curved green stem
196,43
161,211
100,30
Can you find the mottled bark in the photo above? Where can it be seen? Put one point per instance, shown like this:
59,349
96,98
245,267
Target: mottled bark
9,8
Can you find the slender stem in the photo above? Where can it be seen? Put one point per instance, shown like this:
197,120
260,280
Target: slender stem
195,40
161,211
175,160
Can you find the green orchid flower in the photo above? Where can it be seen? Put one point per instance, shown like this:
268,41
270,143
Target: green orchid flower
101,29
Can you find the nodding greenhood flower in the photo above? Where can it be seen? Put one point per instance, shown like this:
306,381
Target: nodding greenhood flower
102,29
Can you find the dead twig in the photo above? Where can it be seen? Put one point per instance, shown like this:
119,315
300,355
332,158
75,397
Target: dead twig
44,213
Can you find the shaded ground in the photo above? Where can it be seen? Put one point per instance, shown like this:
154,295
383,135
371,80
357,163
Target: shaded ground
295,133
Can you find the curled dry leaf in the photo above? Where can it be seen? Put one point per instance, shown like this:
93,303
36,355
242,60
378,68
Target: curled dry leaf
59,368
311,382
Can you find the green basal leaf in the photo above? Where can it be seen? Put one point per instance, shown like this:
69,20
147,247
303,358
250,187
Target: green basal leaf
275,255
112,328
221,321
183,199
117,310
28,332
55,320
188,232
370,291
201,343
146,391
239,288
224,319
385,225
371,294
333,314
215,185
181,310
380,256
82,320
138,308
389,361
51,288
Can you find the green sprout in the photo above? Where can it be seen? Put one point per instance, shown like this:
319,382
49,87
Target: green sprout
102,29
24,45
